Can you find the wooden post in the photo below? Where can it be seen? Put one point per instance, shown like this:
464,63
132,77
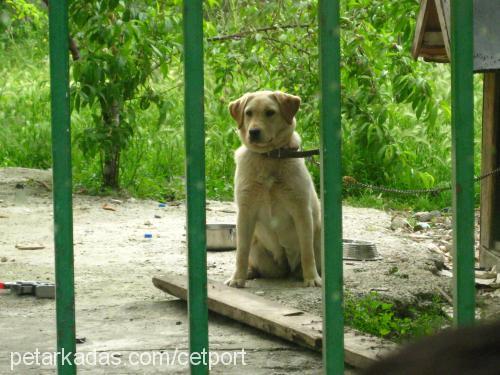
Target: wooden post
490,193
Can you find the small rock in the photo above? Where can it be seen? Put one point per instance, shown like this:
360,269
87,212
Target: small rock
148,223
399,222
433,248
157,217
426,217
29,246
3,259
259,292
381,289
434,263
420,226
443,248
108,207
435,213
423,216
178,323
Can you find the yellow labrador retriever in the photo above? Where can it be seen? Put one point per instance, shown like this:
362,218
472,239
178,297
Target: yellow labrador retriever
278,220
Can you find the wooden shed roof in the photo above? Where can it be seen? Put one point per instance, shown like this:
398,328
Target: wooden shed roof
432,34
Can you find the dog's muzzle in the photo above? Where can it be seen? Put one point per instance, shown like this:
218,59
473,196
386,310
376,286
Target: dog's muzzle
254,135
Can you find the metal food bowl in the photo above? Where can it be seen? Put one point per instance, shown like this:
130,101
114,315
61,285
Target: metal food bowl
221,237
360,250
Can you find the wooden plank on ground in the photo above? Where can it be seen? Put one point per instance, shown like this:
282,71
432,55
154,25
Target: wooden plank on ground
272,317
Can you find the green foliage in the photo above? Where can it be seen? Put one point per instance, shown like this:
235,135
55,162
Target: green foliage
22,10
396,111
24,107
122,43
18,18
373,315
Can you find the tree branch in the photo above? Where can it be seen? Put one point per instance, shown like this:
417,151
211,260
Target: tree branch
276,41
73,48
247,33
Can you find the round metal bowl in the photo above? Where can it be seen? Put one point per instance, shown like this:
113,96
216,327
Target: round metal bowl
221,237
360,250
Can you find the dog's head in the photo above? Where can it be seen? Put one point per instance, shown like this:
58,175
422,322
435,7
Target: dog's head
266,119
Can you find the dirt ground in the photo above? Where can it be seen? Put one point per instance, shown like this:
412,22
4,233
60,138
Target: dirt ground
119,311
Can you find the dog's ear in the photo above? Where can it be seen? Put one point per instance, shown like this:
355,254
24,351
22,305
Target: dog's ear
236,109
289,105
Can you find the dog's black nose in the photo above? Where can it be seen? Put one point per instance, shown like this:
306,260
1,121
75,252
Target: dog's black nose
254,134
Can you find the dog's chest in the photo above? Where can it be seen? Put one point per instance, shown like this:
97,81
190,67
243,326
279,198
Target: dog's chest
268,179
267,173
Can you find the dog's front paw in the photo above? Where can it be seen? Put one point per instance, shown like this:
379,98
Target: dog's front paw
235,283
316,281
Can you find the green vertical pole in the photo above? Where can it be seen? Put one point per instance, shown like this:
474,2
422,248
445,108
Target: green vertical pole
61,159
195,173
331,187
463,160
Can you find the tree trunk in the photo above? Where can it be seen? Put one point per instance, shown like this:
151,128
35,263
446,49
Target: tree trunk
111,169
111,153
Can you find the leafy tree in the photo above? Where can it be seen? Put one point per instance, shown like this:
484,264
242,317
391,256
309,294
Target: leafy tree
123,44
14,13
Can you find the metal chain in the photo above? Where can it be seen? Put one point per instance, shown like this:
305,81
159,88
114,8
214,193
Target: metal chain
351,181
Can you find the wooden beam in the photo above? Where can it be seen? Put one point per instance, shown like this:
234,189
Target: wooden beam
420,28
272,317
443,12
434,57
490,194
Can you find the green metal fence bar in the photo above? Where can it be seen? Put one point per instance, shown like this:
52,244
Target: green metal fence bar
195,165
61,159
463,160
331,187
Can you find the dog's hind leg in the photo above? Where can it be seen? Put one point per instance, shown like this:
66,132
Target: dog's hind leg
267,264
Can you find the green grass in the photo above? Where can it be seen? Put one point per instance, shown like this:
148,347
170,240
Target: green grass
24,106
373,315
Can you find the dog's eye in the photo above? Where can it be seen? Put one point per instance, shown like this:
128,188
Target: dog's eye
248,113
270,113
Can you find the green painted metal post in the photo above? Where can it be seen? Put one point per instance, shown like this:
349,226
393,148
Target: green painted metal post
463,160
195,172
331,187
61,159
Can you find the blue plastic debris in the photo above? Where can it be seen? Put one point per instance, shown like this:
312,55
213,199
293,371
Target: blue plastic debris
148,235
162,205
